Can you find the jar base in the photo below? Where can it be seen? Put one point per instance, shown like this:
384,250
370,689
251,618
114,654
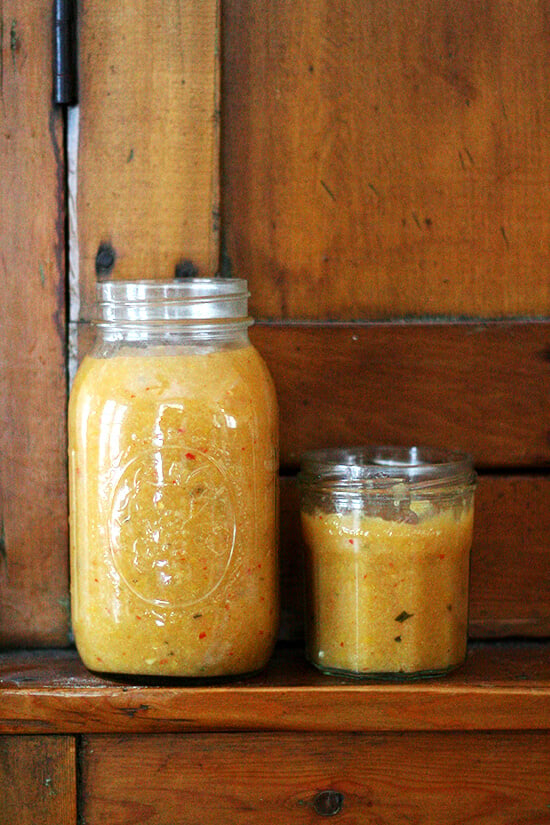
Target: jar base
385,676
151,680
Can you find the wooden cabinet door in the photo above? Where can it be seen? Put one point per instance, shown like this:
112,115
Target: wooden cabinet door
37,780
388,779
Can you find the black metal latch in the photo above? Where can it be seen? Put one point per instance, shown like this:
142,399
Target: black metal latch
65,81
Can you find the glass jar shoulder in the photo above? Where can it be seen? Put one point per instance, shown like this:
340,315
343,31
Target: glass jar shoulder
157,369
132,388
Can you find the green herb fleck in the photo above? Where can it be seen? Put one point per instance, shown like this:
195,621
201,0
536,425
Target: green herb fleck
48,783
403,616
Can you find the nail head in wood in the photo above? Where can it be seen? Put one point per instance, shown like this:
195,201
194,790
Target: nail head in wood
186,269
105,260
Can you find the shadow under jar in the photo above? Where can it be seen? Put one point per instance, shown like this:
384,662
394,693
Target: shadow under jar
173,457
388,532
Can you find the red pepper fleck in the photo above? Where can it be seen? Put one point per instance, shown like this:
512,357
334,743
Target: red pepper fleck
341,644
442,555
190,456
163,661
181,429
96,580
202,635
132,395
350,541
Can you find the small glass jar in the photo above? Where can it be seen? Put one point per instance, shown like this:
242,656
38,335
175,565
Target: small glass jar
173,458
388,532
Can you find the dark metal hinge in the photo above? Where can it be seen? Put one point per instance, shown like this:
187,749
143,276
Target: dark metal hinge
65,79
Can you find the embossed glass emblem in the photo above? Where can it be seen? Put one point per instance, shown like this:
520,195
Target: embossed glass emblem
172,526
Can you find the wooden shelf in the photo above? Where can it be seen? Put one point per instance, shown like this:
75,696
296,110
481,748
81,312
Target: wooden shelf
502,686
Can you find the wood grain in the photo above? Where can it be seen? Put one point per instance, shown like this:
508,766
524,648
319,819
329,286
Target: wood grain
148,181
510,583
388,162
386,778
480,387
501,687
37,780
33,506
484,388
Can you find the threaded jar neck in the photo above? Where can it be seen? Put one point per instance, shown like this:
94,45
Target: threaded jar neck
190,311
185,301
381,470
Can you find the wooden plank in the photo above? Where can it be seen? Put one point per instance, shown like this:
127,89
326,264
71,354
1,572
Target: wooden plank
500,687
148,137
484,388
509,582
37,780
33,506
389,161
388,778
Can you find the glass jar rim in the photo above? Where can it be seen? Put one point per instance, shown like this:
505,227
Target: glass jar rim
379,468
181,300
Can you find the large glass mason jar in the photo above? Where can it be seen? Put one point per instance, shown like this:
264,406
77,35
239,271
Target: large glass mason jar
388,532
173,460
